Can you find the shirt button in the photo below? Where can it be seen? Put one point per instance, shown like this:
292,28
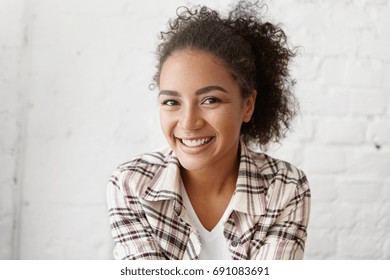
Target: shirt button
234,243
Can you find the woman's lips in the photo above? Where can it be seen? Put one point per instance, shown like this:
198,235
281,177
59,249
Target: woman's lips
195,142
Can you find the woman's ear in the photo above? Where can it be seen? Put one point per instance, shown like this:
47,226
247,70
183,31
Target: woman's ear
249,106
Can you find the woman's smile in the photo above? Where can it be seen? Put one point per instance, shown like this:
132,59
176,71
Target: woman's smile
195,146
193,143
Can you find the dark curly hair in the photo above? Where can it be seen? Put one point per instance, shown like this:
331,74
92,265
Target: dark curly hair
256,53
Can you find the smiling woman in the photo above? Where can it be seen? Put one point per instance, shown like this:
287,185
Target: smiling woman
223,84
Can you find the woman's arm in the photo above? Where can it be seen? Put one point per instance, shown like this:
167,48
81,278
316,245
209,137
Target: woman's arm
133,239
285,239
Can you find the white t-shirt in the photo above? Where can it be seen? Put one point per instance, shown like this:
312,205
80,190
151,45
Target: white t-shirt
213,243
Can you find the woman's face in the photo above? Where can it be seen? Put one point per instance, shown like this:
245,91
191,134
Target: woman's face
201,109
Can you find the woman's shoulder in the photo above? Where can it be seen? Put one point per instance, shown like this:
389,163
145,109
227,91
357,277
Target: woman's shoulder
140,170
272,168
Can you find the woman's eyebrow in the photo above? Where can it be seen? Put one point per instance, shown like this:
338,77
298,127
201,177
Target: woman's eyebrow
209,88
169,93
198,92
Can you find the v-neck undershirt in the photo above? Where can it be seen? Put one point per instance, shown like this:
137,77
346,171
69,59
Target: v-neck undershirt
213,243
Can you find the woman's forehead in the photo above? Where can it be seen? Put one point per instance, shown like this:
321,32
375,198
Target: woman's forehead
193,70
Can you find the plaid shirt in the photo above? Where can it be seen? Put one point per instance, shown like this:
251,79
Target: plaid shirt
270,214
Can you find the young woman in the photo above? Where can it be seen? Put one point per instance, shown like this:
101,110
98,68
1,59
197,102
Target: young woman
224,85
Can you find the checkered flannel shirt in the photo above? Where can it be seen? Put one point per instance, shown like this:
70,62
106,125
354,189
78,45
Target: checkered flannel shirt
270,214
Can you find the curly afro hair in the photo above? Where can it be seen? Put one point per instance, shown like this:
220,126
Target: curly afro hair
255,51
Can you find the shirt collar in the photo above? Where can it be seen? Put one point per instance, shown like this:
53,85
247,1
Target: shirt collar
249,196
166,181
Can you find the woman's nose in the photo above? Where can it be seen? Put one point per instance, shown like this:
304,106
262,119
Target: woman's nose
191,119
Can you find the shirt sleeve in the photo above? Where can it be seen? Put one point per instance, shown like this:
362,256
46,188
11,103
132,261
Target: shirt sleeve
132,237
285,239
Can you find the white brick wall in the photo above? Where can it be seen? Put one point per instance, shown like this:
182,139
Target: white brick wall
75,102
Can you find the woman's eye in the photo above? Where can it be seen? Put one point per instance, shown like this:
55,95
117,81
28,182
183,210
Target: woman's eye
170,102
211,100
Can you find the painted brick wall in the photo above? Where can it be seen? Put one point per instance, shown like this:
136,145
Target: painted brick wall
75,102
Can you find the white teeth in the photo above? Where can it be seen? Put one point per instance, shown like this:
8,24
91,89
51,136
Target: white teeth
195,143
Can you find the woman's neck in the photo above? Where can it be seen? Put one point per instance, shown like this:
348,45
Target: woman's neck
214,180
211,189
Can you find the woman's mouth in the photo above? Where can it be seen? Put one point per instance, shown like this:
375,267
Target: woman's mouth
195,142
